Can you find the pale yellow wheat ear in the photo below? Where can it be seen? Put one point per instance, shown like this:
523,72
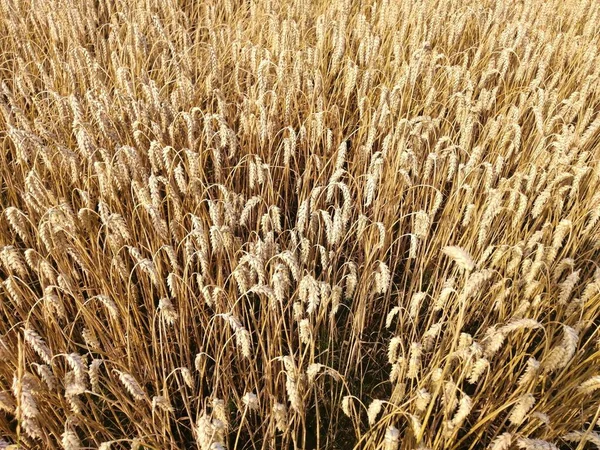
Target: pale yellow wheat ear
131,385
502,442
460,256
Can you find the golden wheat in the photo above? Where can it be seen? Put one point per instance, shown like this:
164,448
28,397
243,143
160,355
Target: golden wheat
299,224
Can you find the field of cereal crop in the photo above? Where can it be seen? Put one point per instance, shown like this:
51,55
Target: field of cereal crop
297,224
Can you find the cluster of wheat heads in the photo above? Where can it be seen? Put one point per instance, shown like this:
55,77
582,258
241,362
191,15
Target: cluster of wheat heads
299,224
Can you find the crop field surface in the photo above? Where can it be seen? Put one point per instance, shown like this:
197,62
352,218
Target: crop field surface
300,225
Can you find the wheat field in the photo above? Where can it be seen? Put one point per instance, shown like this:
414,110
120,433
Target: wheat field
296,224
